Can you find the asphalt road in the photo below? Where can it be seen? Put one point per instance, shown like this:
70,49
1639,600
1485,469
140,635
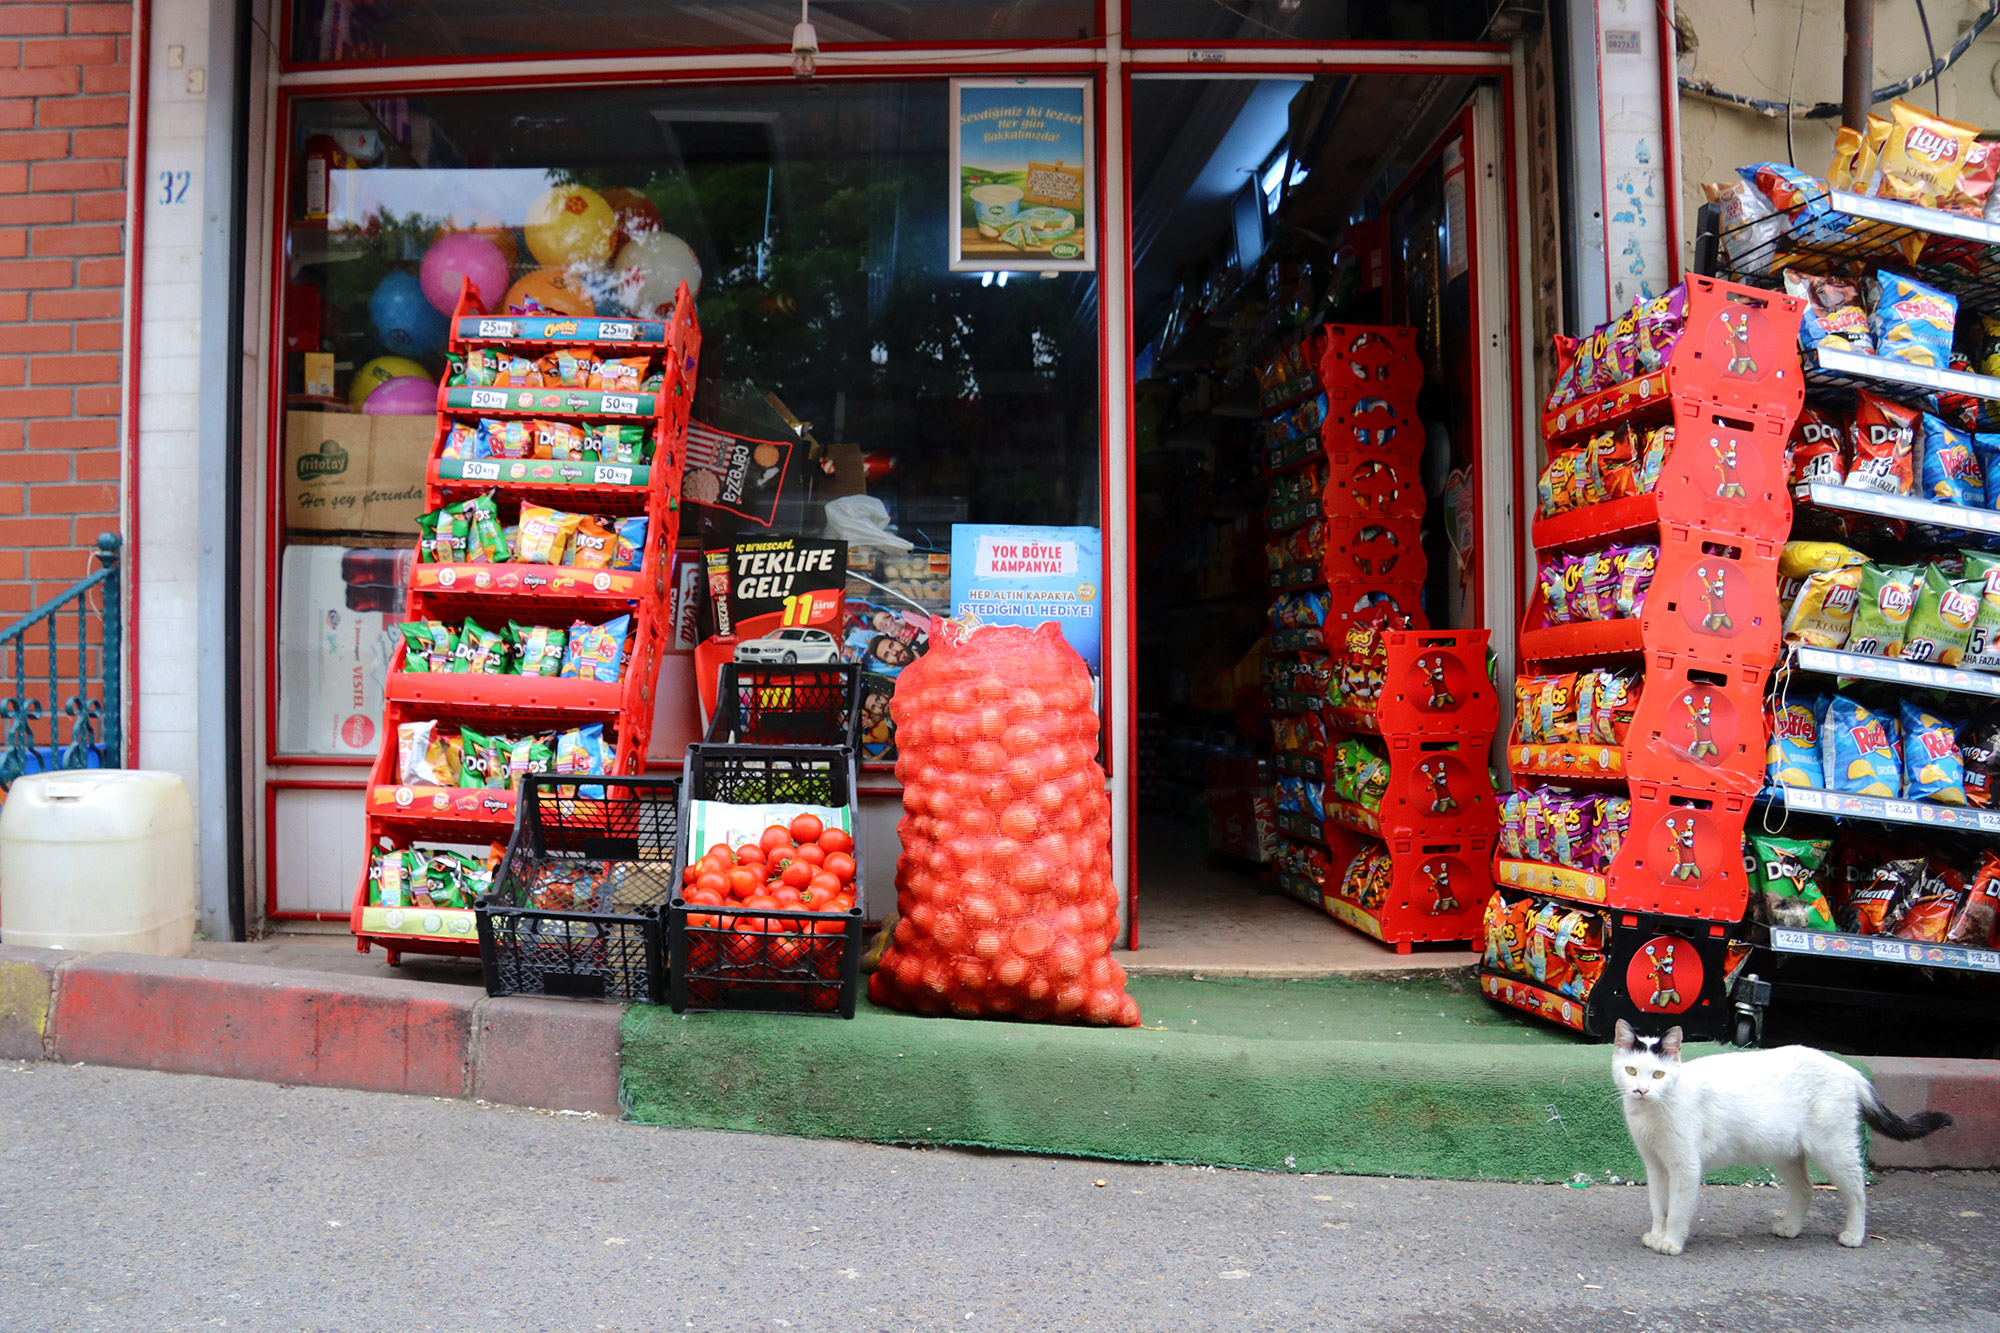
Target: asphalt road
147,1201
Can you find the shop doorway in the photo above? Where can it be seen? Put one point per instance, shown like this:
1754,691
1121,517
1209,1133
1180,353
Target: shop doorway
1263,210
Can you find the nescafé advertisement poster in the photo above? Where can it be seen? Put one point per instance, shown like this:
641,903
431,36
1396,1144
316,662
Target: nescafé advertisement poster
1021,167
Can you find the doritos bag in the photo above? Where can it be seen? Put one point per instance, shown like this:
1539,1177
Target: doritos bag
1928,913
1814,452
1882,440
1978,921
1786,873
1878,900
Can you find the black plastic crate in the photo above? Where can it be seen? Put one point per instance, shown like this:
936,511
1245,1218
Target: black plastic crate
766,775
762,704
766,961
574,909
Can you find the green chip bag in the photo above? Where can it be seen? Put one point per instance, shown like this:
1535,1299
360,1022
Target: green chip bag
1982,650
483,652
485,760
486,539
1786,874
538,649
1941,622
1883,612
428,645
1360,776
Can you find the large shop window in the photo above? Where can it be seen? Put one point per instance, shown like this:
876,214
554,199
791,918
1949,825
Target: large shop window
813,220
371,30
1269,21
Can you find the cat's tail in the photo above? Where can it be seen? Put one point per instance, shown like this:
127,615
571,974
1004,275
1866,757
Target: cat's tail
1884,1121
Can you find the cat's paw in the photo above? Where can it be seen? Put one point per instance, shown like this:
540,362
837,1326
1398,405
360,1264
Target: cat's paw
1853,1240
1650,1240
1787,1228
1664,1244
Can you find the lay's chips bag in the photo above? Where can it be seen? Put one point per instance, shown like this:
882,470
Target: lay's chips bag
1941,621
1858,750
1822,615
1921,160
1932,767
1882,613
1982,648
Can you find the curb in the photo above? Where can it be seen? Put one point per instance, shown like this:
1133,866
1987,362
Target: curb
284,1025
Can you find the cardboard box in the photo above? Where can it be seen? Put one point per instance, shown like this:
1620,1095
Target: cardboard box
348,472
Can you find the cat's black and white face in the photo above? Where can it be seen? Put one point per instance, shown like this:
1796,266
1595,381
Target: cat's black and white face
1645,1069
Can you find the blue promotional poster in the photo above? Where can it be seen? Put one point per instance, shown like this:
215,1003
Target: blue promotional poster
1009,574
1021,174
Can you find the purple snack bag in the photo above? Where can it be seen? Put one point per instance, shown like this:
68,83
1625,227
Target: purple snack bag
1556,579
1660,326
1614,820
1534,843
1594,593
1623,346
1572,829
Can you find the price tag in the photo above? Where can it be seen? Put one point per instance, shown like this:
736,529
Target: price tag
1888,952
620,402
479,471
1800,799
489,398
1910,671
613,329
614,476
1901,810
496,328
1985,958
1788,940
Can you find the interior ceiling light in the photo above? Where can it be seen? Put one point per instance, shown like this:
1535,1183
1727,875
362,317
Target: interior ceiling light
805,44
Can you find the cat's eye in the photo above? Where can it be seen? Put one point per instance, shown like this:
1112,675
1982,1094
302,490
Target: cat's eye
1659,1073
1633,1070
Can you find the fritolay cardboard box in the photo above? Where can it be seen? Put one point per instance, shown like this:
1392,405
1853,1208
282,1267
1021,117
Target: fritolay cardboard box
348,472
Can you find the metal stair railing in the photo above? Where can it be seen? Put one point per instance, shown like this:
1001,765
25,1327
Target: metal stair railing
94,734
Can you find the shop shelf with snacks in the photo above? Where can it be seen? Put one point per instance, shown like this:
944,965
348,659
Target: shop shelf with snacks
551,595
1894,671
1880,504
1700,649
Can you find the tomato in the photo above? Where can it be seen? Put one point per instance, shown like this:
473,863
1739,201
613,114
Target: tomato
744,881
710,882
829,927
715,865
776,836
763,900
789,898
840,865
687,875
798,874
824,884
707,898
811,853
806,828
721,849
844,903
701,922
836,840
749,854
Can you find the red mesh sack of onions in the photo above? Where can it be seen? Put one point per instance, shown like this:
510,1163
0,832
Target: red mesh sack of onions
1004,883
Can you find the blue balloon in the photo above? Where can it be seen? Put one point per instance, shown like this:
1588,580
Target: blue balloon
405,320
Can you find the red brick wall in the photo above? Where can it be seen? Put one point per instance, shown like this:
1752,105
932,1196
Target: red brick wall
65,76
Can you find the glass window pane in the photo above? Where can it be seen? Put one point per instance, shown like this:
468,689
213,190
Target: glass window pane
1307,20
815,216
364,30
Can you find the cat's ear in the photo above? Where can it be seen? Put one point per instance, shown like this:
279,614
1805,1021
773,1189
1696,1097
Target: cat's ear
1623,1036
1670,1045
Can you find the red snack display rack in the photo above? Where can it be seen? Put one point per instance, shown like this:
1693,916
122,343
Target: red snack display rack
555,596
1689,754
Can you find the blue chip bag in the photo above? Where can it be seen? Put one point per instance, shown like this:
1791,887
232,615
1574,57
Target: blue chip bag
1912,322
1858,750
1952,474
1932,767
631,543
583,751
1792,759
1986,448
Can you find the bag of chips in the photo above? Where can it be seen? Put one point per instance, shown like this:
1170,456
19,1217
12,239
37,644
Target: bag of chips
1659,445
1922,158
538,649
1357,774
1555,706
1858,750
1880,897
1615,700
441,536
1660,324
428,645
546,533
1822,615
1635,579
1813,451
1913,322
530,754
423,759
1594,595
1572,830
1969,196
582,751
1834,316
1940,627
1977,924
1556,577
482,652
631,552
1932,769
1848,170
1751,225
463,441
1882,613
508,439
1882,440
1798,559
1613,466
1786,874
593,545
1928,912
597,652
1792,759
620,374
622,444
1979,754
559,441
1951,473
483,760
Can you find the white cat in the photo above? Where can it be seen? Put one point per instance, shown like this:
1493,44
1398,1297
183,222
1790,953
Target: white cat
1749,1108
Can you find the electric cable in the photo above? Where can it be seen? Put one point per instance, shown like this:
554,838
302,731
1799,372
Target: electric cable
1764,106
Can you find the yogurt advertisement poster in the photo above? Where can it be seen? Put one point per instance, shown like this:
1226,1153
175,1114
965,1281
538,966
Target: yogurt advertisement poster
1008,574
1021,162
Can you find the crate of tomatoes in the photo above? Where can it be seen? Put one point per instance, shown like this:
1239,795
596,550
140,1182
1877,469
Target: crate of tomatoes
766,917
574,906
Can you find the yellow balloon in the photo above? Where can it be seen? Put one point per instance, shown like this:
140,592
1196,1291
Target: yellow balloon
571,225
374,374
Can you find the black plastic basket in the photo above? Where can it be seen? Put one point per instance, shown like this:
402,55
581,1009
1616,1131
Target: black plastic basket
759,704
767,961
722,967
574,909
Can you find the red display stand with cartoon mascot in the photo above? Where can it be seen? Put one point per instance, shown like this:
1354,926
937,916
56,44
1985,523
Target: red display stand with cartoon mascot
1637,744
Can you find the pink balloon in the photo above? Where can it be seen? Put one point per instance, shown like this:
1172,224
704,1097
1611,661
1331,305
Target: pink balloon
404,396
459,254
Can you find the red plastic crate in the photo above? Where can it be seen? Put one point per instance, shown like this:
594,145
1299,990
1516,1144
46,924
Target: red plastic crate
1437,679
1370,361
1372,489
1437,891
1371,552
1715,598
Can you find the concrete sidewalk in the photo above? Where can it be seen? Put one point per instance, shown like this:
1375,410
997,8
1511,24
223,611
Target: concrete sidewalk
1266,1046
